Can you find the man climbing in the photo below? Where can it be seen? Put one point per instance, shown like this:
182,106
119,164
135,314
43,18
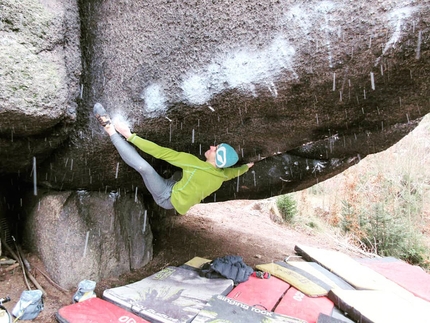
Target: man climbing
199,178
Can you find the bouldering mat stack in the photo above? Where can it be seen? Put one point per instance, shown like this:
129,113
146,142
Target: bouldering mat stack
95,310
171,295
311,307
306,299
318,271
412,278
357,275
274,293
376,298
262,293
226,310
330,287
370,306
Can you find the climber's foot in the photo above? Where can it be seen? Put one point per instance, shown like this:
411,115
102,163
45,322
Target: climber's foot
101,115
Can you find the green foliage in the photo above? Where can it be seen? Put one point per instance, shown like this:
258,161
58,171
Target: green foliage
348,217
312,224
287,206
381,204
384,218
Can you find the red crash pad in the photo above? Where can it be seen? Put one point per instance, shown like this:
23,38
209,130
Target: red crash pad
297,304
261,293
96,310
411,278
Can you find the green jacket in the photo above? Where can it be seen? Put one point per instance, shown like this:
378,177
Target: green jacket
199,178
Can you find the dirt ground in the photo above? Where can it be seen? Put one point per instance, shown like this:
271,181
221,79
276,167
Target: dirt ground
244,228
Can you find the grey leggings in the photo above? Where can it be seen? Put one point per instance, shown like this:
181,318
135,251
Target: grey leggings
159,187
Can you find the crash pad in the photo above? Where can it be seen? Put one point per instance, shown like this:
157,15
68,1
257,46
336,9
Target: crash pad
323,318
321,273
369,306
226,310
261,293
412,278
171,295
296,304
95,310
340,315
293,277
305,273
195,263
359,276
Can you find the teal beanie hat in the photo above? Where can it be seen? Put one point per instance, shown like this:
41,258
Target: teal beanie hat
226,156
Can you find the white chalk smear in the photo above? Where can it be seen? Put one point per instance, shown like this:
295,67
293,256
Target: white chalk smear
306,18
118,116
396,19
154,98
197,88
246,68
242,69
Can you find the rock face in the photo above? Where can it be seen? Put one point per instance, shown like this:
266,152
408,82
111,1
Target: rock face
39,87
303,89
86,235
325,81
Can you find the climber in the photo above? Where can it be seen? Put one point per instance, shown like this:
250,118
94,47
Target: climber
199,178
